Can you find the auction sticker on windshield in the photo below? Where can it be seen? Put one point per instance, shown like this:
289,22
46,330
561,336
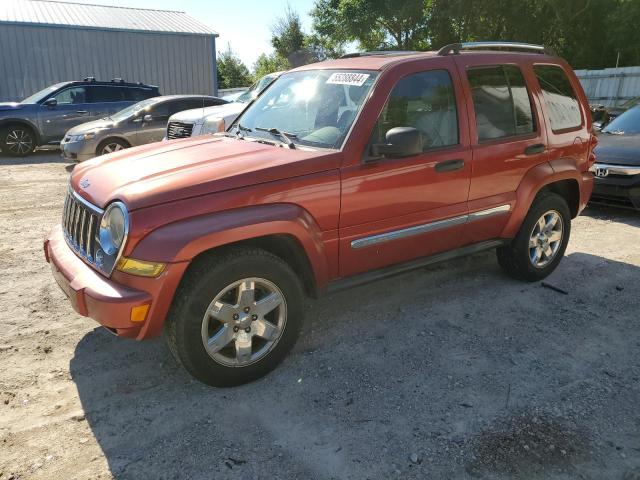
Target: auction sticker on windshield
344,78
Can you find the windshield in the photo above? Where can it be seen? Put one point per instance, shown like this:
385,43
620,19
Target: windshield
133,110
312,107
42,94
627,123
255,89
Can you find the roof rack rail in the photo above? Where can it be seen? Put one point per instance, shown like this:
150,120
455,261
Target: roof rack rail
117,80
89,79
455,48
379,52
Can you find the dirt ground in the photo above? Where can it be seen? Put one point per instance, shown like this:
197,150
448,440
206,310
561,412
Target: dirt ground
454,371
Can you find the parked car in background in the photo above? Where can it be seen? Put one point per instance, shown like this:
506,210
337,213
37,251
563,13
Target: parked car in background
432,156
602,115
139,124
617,167
44,117
191,123
232,97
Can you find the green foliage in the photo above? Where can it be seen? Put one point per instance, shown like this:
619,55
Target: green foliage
231,71
588,33
287,36
268,64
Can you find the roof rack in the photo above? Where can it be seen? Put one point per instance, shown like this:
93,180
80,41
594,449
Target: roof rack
117,80
379,52
455,48
89,79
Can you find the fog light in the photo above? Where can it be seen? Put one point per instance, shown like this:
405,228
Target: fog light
140,267
139,313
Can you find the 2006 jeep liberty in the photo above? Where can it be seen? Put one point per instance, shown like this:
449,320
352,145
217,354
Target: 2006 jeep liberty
341,172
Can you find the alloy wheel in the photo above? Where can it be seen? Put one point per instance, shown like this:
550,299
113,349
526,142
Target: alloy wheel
545,239
19,141
111,147
244,322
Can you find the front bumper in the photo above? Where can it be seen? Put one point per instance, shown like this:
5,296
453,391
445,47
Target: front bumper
108,300
77,151
618,190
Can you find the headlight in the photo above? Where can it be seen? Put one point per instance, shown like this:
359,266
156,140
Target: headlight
114,228
84,136
212,125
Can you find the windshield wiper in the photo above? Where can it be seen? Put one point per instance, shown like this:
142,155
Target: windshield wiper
286,136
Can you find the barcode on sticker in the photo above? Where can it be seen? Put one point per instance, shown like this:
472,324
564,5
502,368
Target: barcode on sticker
344,78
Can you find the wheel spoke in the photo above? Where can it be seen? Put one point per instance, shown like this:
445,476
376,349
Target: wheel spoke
536,255
222,311
541,224
555,236
221,339
548,252
553,219
107,149
533,242
268,303
243,348
265,329
117,147
246,293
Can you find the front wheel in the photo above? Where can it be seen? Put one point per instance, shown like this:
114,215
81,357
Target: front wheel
17,141
111,145
541,242
235,316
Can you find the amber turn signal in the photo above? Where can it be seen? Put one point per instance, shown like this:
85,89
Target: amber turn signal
139,313
140,267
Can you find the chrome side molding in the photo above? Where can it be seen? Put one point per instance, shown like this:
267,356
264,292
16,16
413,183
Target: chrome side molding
428,227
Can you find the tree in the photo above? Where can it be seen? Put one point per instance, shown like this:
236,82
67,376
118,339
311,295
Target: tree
291,44
268,64
231,71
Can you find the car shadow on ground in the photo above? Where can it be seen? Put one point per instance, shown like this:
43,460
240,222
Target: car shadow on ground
621,215
40,156
402,378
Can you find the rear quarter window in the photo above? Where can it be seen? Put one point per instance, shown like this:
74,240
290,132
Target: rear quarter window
559,96
138,94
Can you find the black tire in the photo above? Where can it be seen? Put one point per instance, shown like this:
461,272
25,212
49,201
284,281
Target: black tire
202,283
113,144
17,140
515,258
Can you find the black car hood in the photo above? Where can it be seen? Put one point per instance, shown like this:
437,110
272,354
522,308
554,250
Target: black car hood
10,106
618,149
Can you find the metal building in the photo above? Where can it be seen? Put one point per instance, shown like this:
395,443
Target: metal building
43,42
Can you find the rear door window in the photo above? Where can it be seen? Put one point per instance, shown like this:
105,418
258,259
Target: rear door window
501,102
105,94
424,101
137,94
559,96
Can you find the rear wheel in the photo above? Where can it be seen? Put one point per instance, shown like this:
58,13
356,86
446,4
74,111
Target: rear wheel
235,316
541,242
17,141
111,145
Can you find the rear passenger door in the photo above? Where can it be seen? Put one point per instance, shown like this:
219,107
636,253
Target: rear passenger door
106,100
397,209
508,138
155,129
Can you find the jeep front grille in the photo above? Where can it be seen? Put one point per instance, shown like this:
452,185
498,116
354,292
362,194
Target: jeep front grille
179,130
80,223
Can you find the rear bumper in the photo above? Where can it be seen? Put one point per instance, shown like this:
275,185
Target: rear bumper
107,300
618,191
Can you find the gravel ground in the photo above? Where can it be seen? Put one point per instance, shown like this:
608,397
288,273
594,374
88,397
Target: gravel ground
454,371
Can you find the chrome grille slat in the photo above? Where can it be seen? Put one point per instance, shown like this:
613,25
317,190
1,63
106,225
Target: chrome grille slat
80,223
179,130
83,232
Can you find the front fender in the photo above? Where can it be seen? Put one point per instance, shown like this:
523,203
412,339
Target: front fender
534,181
183,240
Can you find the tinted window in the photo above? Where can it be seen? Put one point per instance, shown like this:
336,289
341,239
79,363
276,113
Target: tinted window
501,102
628,122
197,103
561,100
163,111
425,101
99,94
137,94
72,95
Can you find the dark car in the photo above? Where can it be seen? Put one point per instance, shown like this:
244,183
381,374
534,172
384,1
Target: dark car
44,117
617,168
602,116
138,124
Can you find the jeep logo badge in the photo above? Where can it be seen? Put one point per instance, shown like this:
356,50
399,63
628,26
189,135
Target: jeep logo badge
84,183
602,172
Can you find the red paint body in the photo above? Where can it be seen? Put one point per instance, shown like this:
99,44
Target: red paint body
189,196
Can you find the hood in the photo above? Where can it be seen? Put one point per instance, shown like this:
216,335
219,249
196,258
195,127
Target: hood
169,171
618,149
11,106
196,115
90,126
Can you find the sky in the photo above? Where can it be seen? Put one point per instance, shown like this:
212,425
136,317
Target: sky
245,25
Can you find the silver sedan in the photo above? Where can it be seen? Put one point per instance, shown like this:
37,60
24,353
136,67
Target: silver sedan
139,124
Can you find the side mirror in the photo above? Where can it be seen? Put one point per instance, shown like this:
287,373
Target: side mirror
51,102
401,142
147,118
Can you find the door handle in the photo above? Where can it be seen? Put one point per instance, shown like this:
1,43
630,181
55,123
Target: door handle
449,165
534,149
82,111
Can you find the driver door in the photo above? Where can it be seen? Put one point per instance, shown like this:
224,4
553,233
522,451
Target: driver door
398,209
72,109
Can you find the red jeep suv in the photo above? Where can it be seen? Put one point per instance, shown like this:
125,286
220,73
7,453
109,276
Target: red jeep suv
341,172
